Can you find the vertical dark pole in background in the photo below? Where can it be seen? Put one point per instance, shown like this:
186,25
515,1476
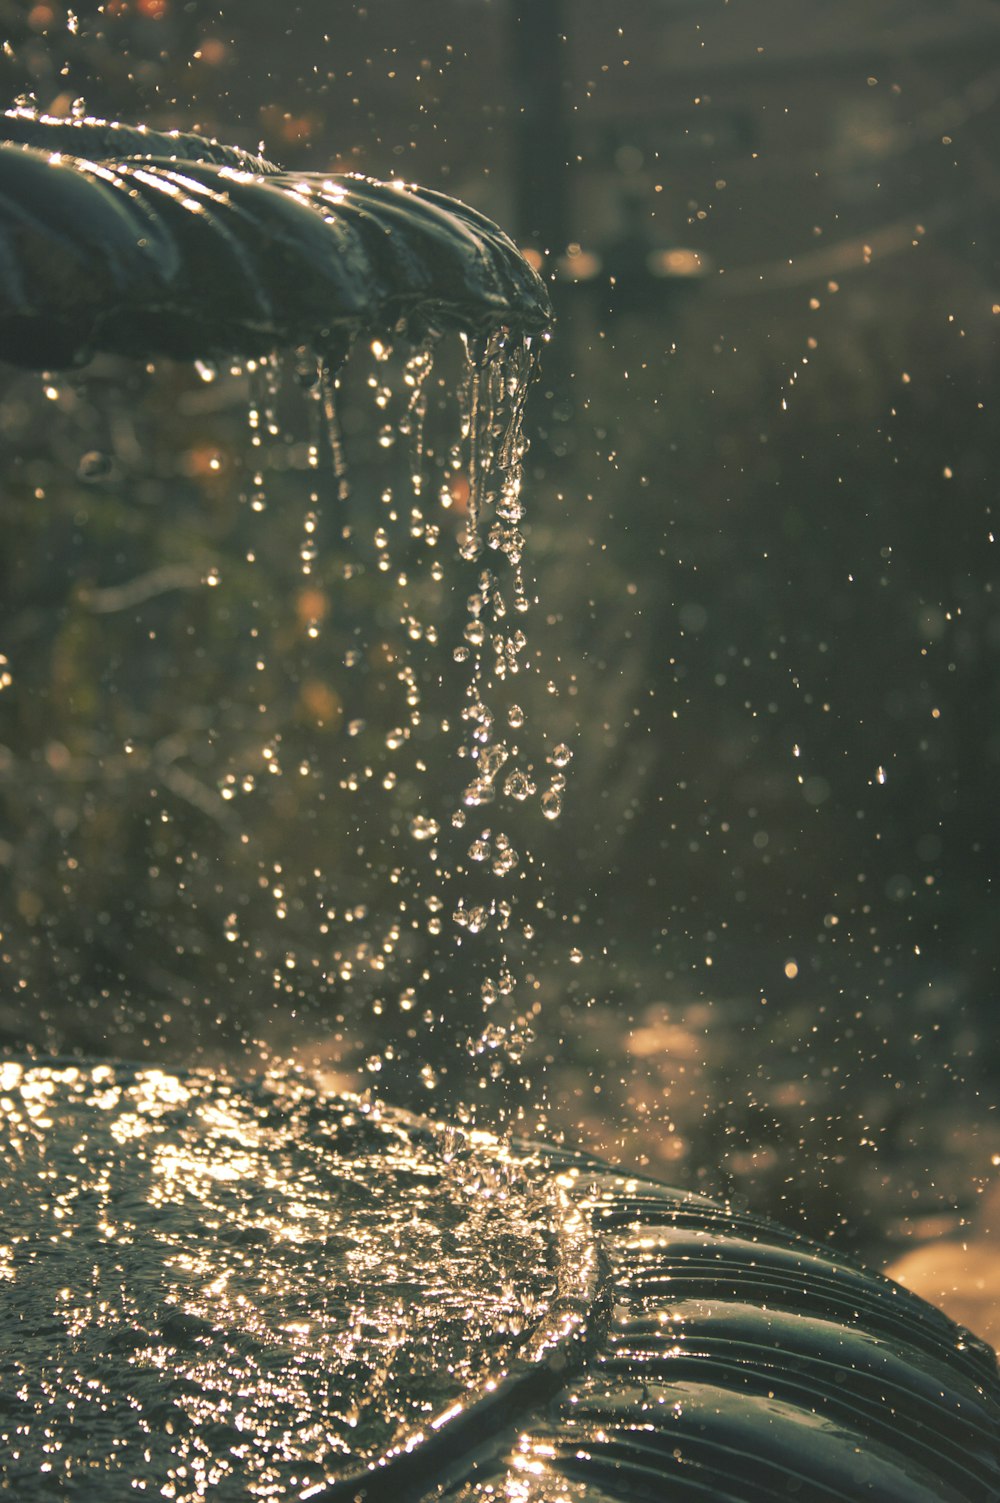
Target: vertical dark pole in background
538,57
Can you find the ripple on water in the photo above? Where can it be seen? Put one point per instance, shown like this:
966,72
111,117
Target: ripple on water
216,1289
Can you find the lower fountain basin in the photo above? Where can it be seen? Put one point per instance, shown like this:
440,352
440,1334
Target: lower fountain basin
255,1290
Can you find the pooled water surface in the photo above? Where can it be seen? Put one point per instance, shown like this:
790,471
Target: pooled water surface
224,1290
230,1290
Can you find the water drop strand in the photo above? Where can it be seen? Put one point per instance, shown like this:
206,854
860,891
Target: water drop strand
418,371
329,387
491,867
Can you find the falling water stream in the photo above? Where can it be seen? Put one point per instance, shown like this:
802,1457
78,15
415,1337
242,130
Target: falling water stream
269,1286
439,530
220,1289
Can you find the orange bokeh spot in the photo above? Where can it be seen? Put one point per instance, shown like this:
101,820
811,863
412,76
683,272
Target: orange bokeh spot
311,605
297,128
458,490
320,702
213,51
204,460
287,127
153,10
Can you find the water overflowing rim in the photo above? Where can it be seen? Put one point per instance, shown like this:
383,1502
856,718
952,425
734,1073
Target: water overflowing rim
118,239
96,140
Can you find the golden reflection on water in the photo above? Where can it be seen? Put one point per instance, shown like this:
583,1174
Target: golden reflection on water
220,1290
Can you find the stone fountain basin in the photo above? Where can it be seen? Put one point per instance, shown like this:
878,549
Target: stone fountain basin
121,240
229,1289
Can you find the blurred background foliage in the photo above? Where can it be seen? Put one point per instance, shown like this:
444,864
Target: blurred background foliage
761,496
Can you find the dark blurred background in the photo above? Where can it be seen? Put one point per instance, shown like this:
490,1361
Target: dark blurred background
761,506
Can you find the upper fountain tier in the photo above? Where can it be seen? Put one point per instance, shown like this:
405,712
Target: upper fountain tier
123,240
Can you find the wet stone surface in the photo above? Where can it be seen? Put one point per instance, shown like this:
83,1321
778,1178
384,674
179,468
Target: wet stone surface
214,1289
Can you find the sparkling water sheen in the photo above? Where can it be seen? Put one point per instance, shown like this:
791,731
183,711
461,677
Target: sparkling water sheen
221,1290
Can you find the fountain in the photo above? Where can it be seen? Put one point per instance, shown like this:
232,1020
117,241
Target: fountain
228,1288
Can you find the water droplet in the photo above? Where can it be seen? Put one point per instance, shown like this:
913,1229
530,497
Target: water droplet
561,755
551,804
492,758
518,785
422,827
94,467
505,858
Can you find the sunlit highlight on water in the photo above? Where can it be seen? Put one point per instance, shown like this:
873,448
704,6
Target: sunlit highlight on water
214,1284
